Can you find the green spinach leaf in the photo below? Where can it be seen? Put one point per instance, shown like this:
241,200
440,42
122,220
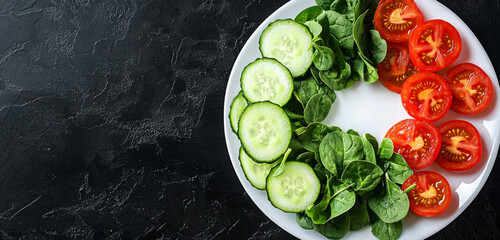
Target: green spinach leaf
397,168
324,4
331,152
343,200
314,134
352,132
387,231
304,221
342,30
308,14
373,141
317,108
358,214
370,73
336,228
378,47
369,151
391,206
353,149
323,57
386,148
315,28
365,175
317,211
360,38
336,78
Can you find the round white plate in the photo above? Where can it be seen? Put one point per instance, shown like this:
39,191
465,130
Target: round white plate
370,108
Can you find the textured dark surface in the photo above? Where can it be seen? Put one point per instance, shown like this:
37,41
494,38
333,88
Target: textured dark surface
111,120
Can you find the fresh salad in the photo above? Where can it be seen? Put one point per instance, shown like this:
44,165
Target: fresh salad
340,180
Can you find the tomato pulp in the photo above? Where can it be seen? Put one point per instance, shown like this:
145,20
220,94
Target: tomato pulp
460,146
432,194
426,96
417,141
471,88
434,45
396,66
396,19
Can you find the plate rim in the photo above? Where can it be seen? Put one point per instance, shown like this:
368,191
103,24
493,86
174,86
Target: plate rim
227,131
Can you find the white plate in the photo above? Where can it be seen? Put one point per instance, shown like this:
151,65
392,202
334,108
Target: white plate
370,108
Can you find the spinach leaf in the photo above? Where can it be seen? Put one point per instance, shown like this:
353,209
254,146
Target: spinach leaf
339,6
315,73
386,148
305,89
387,231
336,78
304,221
397,168
358,66
315,28
369,6
314,134
352,132
331,152
308,14
358,214
377,46
317,108
292,115
323,57
343,201
329,92
370,73
353,149
392,205
317,211
307,157
324,4
372,140
368,151
365,175
342,30
321,171
359,31
336,228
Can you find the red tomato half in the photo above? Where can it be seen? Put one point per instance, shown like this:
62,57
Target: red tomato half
434,45
396,19
396,66
426,96
431,196
471,88
460,146
417,141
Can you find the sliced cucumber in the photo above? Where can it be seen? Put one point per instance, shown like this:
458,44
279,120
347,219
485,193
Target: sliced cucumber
237,106
290,43
294,189
265,131
256,173
267,80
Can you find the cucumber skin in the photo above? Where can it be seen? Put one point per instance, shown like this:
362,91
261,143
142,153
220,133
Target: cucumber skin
231,110
246,175
279,20
290,138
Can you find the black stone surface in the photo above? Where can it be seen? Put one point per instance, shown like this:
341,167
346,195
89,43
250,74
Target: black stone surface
111,120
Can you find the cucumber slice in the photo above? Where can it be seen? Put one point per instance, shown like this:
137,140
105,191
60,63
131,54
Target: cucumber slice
294,189
290,43
267,80
256,173
265,131
237,106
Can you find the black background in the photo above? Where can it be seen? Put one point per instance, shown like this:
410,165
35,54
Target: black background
111,120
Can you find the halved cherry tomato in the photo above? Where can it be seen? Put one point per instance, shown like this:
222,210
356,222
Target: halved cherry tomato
431,196
434,45
471,88
417,141
460,146
396,19
396,66
426,96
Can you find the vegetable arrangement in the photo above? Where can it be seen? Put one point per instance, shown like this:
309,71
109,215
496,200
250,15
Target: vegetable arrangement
337,181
